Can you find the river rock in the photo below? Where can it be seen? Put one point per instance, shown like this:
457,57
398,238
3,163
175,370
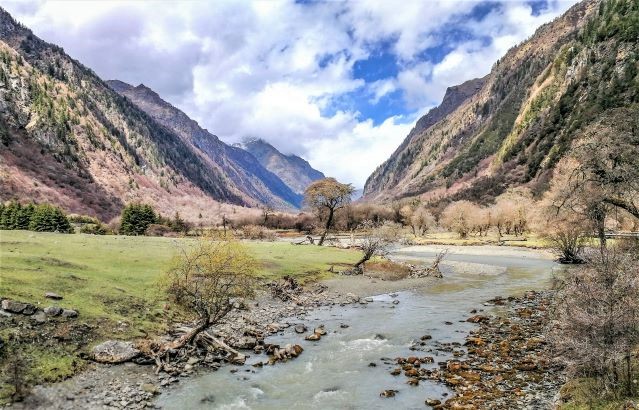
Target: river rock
320,330
313,337
245,342
478,319
13,306
388,393
52,295
114,351
69,313
351,297
433,402
368,299
300,328
53,311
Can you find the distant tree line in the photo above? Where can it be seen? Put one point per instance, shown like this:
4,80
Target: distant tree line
40,218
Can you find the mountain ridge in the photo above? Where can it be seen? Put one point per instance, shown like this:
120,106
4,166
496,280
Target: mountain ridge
536,100
294,170
237,165
96,150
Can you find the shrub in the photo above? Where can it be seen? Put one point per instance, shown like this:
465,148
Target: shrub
94,229
457,217
257,232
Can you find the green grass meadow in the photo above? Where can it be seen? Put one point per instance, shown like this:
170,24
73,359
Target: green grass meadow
117,278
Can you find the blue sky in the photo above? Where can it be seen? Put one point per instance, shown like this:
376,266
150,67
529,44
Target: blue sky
339,83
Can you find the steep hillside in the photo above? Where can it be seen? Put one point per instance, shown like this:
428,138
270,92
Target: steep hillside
537,99
239,166
68,138
296,172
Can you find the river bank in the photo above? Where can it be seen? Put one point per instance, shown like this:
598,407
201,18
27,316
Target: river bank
349,325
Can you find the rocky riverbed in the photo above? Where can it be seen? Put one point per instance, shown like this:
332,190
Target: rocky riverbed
134,385
504,364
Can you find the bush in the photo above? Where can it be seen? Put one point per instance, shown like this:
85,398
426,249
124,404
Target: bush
158,230
82,219
595,328
457,217
94,229
136,218
257,232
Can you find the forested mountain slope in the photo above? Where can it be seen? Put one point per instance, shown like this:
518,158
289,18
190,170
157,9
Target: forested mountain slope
67,138
239,166
538,98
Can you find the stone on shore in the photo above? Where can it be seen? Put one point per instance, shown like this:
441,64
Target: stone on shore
114,351
53,311
52,295
13,306
69,313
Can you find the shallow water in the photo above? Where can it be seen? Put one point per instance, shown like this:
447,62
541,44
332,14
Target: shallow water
334,373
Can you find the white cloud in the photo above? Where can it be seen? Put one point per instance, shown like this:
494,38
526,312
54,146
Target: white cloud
273,69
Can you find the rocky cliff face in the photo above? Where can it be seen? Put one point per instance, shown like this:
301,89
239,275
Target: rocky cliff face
296,172
239,167
525,114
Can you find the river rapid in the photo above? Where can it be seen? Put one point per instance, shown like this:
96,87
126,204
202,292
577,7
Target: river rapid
337,372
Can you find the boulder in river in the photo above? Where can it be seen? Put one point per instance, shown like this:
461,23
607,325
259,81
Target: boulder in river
114,351
300,328
313,337
388,393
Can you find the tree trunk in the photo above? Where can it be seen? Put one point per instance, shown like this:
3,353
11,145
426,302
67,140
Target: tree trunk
187,337
329,222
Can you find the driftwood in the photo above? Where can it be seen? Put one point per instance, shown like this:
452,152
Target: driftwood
286,289
208,341
432,271
308,240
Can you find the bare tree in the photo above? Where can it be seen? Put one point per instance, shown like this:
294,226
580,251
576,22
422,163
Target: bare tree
204,281
596,324
605,170
377,239
457,217
328,195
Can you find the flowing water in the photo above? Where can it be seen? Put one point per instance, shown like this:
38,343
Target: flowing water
334,373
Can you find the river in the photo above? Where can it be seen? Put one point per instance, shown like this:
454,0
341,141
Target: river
335,372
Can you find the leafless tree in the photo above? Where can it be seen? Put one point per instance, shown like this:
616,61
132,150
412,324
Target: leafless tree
204,282
377,239
596,322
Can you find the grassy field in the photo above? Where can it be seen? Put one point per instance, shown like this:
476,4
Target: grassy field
114,283
116,278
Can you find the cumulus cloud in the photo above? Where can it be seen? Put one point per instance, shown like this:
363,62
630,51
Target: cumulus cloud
284,71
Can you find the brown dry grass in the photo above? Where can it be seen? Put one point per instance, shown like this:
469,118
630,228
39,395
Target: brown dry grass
386,270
